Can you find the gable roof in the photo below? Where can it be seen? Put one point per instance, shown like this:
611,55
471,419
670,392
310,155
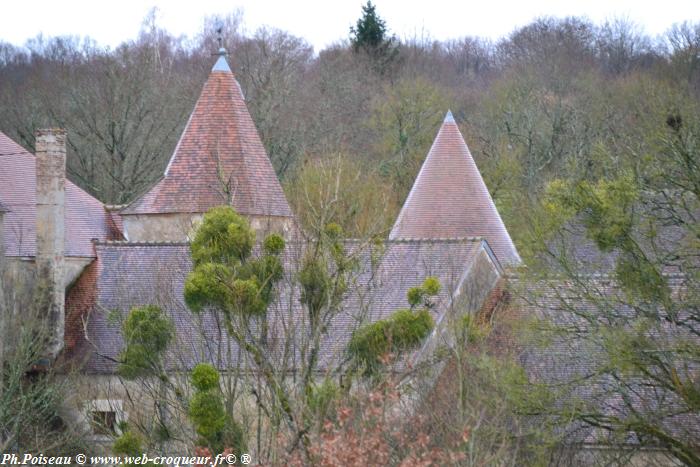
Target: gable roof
85,217
218,160
450,199
136,274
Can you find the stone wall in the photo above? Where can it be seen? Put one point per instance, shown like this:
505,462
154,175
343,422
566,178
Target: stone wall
179,227
19,286
134,403
50,231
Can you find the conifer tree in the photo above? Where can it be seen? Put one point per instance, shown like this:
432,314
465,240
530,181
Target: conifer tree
370,36
370,32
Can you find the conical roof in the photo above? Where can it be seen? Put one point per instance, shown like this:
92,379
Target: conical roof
450,199
218,160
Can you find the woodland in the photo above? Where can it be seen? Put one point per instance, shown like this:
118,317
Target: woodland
580,131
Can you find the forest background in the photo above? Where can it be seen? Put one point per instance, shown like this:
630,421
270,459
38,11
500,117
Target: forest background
557,98
564,118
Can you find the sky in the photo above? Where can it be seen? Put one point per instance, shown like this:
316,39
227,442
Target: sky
322,22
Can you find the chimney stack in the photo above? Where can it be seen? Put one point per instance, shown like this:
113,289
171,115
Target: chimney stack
50,231
3,210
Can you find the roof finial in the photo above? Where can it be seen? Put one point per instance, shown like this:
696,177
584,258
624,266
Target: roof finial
448,117
220,37
221,64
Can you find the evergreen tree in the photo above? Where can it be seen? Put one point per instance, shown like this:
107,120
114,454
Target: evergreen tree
370,32
369,36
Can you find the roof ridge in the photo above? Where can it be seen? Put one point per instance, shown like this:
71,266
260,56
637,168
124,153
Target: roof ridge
347,240
139,243
436,239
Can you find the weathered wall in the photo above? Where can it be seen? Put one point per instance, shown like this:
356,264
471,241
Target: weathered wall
160,227
179,227
22,271
2,239
3,305
481,277
2,268
50,230
133,402
18,282
264,225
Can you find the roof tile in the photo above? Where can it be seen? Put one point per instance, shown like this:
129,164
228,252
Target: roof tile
85,217
133,274
450,199
218,160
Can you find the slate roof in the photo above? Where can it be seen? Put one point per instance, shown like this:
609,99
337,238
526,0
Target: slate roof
131,274
218,160
575,364
449,199
85,217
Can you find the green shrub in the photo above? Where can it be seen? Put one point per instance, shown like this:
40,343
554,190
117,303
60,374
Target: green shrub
207,286
419,295
273,244
205,377
315,282
408,328
246,297
431,286
322,397
415,296
403,330
149,327
207,413
147,332
333,231
267,271
223,237
134,361
128,444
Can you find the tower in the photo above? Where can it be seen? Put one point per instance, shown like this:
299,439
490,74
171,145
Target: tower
219,160
450,199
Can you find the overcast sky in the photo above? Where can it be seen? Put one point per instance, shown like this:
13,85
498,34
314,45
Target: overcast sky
321,22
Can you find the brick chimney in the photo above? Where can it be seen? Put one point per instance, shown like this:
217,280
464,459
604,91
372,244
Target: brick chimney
50,232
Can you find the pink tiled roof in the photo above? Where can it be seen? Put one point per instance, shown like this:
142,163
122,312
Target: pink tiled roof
219,148
449,199
85,217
